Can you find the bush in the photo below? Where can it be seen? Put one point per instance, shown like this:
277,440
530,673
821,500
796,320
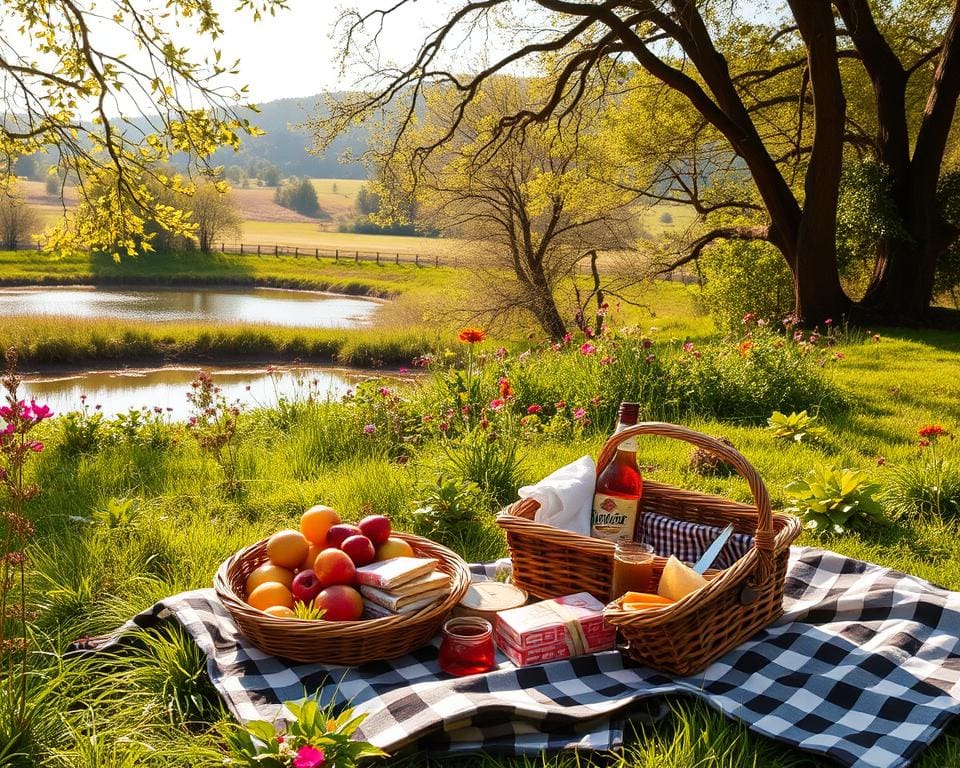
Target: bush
834,500
930,487
741,277
299,195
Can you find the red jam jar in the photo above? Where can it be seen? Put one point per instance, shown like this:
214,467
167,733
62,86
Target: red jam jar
467,646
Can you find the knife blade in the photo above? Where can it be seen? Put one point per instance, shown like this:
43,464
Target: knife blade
707,558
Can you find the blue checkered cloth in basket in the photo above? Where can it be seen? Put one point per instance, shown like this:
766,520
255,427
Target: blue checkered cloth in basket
688,541
863,667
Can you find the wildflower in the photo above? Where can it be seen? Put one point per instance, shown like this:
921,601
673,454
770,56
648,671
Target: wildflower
876,338
697,354
828,322
932,430
567,338
607,360
838,356
560,405
472,335
36,446
427,419
924,443
308,757
83,398
602,309
646,343
402,370
798,337
466,410
501,353
384,391
443,426
587,349
484,423
649,358
97,407
523,355
497,405
579,413
534,408
881,461
556,347
369,429
745,347
40,412
596,400
504,385
749,318
688,346
588,332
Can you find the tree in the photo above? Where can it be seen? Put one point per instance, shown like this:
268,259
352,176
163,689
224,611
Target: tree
18,221
67,61
535,208
696,53
299,195
214,213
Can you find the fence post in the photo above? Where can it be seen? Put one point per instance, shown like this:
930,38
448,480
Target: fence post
356,259
436,259
336,254
398,258
316,253
378,257
258,249
276,250
241,249
296,253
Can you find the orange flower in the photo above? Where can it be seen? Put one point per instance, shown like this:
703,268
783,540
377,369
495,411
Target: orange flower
472,335
931,430
745,347
505,390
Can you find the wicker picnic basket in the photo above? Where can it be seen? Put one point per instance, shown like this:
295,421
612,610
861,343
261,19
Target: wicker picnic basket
348,643
687,636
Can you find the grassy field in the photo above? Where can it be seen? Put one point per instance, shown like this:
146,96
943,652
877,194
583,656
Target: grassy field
152,706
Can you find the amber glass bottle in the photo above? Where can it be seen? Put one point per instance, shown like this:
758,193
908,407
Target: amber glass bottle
619,487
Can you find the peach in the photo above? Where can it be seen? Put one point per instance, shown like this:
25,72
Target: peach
270,594
311,558
360,549
376,528
394,547
316,521
340,603
287,548
268,572
281,612
334,567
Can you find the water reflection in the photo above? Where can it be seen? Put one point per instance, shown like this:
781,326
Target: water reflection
253,305
166,388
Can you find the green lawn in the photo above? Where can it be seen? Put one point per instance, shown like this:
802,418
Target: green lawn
153,706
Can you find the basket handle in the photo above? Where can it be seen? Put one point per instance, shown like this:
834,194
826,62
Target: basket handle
764,538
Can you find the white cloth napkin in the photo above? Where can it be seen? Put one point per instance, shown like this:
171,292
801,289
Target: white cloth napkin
565,496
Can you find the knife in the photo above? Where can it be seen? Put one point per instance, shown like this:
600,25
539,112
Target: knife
706,560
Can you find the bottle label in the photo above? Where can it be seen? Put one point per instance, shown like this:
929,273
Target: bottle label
630,444
613,517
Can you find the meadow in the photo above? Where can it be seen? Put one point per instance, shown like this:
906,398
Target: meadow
127,506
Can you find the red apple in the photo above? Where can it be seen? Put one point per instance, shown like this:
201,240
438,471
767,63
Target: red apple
340,603
306,586
360,549
338,533
334,567
376,528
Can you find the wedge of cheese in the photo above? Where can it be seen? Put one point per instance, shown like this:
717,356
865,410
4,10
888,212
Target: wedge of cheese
641,601
679,580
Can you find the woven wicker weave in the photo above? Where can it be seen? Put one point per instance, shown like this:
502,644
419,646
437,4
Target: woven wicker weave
338,642
685,637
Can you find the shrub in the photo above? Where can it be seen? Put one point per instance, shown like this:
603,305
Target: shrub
833,500
742,277
795,427
446,508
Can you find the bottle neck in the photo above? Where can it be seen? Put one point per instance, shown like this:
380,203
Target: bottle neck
630,444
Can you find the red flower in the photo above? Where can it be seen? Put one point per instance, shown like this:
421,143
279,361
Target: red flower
931,430
472,335
534,408
505,390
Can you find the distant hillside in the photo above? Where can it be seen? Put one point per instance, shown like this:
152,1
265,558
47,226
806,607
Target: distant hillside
285,146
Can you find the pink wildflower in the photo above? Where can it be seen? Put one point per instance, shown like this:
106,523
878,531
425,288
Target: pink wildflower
534,408
36,446
308,757
567,338
497,405
579,413
688,346
369,429
587,349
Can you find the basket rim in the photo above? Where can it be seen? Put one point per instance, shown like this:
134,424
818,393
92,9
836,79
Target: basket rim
234,603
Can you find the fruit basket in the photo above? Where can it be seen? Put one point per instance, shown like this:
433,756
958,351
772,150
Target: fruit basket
348,643
688,635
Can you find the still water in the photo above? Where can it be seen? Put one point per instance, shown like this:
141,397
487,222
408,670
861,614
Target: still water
166,388
222,305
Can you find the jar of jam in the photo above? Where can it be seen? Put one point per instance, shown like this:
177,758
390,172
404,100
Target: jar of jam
632,568
467,646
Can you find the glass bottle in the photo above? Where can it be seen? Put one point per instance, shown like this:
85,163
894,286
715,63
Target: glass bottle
619,487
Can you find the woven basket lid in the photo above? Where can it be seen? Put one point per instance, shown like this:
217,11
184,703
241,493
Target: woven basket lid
486,598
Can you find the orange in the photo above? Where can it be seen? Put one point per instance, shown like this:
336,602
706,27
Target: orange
287,548
316,521
268,572
269,595
281,611
311,558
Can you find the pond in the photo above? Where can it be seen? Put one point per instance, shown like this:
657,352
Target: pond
120,390
271,306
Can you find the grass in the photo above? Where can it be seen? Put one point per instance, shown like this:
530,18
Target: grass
153,706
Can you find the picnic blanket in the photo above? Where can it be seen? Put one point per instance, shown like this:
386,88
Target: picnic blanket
864,667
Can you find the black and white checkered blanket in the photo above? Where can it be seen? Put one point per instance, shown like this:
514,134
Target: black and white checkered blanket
864,667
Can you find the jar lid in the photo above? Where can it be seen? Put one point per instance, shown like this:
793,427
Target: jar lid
484,597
